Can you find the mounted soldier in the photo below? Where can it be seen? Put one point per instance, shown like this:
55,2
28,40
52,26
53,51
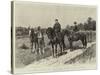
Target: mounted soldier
75,32
57,26
75,27
58,34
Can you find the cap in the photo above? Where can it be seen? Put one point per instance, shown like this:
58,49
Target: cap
75,22
56,19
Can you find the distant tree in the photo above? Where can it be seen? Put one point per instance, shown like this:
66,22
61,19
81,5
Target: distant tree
89,20
94,25
91,24
88,24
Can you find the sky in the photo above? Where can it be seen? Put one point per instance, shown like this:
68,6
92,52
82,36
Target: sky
44,14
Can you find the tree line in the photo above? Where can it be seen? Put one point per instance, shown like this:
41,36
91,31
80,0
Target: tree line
90,24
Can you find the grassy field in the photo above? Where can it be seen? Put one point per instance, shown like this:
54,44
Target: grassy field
23,53
24,56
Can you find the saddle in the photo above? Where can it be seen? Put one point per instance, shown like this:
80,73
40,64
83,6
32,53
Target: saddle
75,35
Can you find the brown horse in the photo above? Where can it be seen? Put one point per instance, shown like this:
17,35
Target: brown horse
75,36
55,39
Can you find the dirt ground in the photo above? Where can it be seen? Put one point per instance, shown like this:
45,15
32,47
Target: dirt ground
24,57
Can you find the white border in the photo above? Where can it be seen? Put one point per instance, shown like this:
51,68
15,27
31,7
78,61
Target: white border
5,36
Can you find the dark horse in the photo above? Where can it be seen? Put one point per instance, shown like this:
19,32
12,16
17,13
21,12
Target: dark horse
55,39
75,36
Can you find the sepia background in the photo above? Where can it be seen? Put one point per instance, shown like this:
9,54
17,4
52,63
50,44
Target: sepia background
35,14
5,47
29,14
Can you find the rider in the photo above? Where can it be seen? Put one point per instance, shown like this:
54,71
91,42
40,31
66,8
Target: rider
75,27
57,26
57,29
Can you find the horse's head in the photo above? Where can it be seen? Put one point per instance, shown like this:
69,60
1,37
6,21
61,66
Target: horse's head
67,32
50,32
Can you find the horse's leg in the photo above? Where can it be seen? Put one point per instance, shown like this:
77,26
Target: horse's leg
31,46
53,50
82,42
60,48
85,40
41,46
43,43
36,51
56,49
37,48
71,47
30,43
63,44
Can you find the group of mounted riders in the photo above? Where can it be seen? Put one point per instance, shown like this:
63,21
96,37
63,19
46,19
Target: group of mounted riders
56,36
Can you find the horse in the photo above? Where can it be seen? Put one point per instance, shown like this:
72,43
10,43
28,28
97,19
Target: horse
75,36
55,39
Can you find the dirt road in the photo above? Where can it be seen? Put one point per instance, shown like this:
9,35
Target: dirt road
60,63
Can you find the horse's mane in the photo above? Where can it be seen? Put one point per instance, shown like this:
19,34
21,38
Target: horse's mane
50,32
67,32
